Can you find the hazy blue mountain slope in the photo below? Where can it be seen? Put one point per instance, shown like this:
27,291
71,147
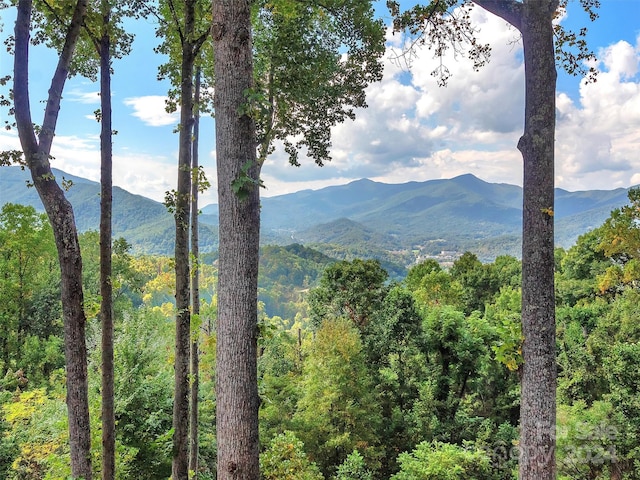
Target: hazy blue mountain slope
399,221
145,223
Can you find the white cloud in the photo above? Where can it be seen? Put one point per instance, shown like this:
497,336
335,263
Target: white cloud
9,140
620,59
598,138
151,109
82,97
415,130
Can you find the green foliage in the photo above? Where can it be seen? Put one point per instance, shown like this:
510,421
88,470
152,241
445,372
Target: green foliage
395,349
419,271
354,468
390,368
443,461
279,376
126,281
171,30
37,428
579,266
583,341
586,441
353,289
456,349
143,390
311,67
620,232
243,185
337,411
285,459
504,315
438,287
481,282
30,312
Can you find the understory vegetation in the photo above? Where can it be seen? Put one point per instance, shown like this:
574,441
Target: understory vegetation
361,377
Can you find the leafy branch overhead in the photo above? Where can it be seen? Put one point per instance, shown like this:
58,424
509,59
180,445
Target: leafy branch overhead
312,63
441,25
171,31
444,25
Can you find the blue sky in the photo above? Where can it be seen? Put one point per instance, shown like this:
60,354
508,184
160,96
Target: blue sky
412,130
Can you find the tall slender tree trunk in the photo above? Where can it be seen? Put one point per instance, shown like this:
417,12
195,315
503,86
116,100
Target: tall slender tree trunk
180,464
239,224
106,285
195,284
538,400
534,19
37,153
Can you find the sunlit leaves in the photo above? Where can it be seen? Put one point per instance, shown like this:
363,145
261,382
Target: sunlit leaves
312,64
171,32
444,461
51,22
285,459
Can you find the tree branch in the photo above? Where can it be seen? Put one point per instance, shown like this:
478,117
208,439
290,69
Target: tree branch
59,77
508,10
176,20
21,79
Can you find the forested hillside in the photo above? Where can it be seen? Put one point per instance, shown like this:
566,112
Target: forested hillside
441,330
394,223
361,376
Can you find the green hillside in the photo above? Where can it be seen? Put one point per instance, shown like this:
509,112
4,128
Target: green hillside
396,223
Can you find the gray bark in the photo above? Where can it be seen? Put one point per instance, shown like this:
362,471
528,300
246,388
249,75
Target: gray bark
538,376
106,286
37,153
180,464
195,286
236,375
538,398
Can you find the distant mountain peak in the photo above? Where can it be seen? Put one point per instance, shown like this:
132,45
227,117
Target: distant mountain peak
364,216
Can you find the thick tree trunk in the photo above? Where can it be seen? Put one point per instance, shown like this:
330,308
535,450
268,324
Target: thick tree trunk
106,286
538,380
195,285
60,213
538,401
236,378
180,465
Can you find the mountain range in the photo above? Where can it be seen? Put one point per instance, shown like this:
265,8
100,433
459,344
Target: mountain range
396,222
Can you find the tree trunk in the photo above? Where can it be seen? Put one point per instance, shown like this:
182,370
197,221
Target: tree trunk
195,285
239,230
538,398
180,464
60,214
538,377
106,286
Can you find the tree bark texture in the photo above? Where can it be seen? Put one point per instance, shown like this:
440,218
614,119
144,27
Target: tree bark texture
195,285
180,464
236,376
106,285
60,213
538,398
539,372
